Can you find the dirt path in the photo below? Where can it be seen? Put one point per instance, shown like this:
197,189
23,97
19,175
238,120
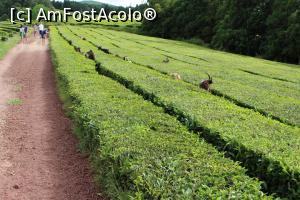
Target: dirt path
39,159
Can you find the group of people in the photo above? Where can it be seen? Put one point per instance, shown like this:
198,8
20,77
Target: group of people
37,29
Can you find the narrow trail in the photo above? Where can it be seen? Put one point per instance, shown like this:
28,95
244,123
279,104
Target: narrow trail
39,158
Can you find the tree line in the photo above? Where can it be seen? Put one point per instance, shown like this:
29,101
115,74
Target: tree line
5,6
85,5
265,28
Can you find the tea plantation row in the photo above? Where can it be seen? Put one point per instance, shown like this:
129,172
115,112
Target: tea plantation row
277,99
138,151
266,147
196,53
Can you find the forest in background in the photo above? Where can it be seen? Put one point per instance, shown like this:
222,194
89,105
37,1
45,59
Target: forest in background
264,28
5,6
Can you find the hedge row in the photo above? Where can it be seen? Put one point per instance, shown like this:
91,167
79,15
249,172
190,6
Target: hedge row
7,43
237,75
267,148
138,150
7,39
280,103
4,35
7,30
194,53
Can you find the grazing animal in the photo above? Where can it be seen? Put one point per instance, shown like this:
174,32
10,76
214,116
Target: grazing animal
126,58
90,55
166,60
205,84
98,67
77,49
105,51
176,76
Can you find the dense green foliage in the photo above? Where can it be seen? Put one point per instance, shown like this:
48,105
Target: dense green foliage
270,28
283,97
139,151
7,29
84,5
5,6
267,148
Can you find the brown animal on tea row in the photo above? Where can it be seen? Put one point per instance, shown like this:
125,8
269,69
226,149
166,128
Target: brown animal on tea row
175,76
126,58
205,84
90,55
77,49
166,60
106,51
83,38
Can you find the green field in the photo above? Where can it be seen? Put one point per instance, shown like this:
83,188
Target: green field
139,148
151,136
246,89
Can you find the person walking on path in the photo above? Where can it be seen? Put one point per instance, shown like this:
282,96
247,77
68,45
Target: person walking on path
22,33
42,32
35,29
41,29
25,32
